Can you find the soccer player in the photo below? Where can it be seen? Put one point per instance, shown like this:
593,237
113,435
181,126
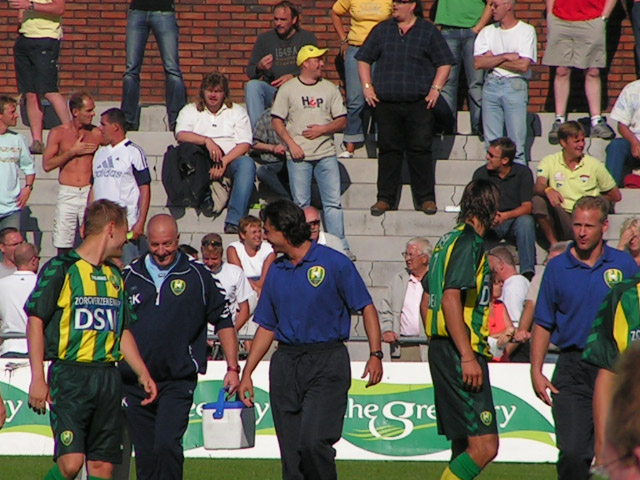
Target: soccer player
456,291
79,319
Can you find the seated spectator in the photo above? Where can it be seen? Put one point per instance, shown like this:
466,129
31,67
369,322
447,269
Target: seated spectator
630,238
400,312
189,251
563,178
10,238
222,127
273,58
623,154
15,289
312,216
241,298
272,157
251,253
515,182
500,326
514,292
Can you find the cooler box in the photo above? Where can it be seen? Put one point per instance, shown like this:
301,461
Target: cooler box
228,425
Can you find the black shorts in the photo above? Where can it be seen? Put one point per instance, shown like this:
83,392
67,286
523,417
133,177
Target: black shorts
36,61
460,413
85,413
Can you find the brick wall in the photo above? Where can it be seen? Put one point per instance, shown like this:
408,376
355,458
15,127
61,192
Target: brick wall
219,34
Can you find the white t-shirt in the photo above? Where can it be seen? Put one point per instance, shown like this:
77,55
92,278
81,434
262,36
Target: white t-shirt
236,286
117,173
15,289
514,293
252,266
5,271
228,127
14,155
627,108
520,39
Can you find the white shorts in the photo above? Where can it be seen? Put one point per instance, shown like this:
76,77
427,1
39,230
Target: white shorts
72,202
250,327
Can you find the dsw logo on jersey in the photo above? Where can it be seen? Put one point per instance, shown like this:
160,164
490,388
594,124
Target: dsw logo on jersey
311,102
96,313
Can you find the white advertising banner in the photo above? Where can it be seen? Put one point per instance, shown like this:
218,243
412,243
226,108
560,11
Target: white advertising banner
394,420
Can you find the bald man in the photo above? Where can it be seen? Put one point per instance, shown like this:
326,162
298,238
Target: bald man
312,216
174,299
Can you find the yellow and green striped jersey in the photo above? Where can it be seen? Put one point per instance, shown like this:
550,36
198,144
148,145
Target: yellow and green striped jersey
459,262
616,326
84,309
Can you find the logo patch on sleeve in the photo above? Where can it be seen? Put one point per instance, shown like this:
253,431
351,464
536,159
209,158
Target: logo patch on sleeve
316,275
66,437
486,417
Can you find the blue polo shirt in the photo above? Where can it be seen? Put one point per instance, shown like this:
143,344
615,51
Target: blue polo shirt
571,294
311,302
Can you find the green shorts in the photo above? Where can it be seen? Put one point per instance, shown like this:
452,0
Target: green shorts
460,413
86,412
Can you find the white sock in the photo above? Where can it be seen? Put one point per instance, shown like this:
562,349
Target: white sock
561,118
595,120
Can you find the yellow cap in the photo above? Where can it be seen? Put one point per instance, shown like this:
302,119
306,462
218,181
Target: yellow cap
309,51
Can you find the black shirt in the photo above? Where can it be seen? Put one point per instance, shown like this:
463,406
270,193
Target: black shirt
515,189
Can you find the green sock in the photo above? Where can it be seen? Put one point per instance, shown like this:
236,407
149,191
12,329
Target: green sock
464,467
55,474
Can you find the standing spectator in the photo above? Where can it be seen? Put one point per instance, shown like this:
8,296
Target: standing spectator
506,50
79,318
623,154
456,303
310,318
412,65
273,58
36,54
70,147
460,22
159,17
306,113
14,155
273,156
563,178
400,312
222,127
515,182
10,239
630,238
364,15
576,37
121,174
312,217
573,288
15,289
174,299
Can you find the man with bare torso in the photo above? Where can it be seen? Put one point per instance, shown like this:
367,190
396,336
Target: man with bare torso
70,147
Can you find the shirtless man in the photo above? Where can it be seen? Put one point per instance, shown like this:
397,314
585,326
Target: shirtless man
70,147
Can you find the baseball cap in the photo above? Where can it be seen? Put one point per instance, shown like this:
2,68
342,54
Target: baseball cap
309,51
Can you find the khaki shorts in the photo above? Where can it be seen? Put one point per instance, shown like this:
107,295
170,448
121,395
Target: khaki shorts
72,201
579,44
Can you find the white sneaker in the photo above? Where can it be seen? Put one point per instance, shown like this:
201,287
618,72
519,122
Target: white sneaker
346,154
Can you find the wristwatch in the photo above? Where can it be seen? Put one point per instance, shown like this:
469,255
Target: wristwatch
234,369
377,354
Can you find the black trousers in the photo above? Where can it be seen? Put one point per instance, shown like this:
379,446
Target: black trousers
405,128
308,392
156,430
573,415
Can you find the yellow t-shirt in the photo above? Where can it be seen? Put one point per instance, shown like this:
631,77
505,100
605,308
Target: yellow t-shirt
41,25
590,177
365,14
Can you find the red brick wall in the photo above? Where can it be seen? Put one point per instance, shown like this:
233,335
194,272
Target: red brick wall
219,34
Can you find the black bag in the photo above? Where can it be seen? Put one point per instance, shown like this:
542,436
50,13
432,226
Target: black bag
185,175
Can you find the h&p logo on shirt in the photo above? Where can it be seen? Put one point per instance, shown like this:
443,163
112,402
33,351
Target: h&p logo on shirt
311,102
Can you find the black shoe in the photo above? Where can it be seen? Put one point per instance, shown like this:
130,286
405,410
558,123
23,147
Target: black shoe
130,127
207,206
230,228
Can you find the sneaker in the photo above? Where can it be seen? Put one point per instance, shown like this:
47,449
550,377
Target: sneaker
230,228
602,130
36,147
553,134
350,255
346,154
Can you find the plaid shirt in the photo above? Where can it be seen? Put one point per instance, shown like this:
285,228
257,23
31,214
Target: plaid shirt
263,132
405,65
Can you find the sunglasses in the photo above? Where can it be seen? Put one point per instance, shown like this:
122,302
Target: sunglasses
211,243
313,223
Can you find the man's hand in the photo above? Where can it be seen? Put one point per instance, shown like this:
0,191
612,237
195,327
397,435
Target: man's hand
635,149
137,231
521,336
432,98
471,374
511,56
278,82
217,171
389,337
540,385
555,198
39,396
498,219
246,387
313,131
370,96
373,368
82,148
279,150
343,50
23,197
215,152
149,387
265,62
19,4
296,152
232,381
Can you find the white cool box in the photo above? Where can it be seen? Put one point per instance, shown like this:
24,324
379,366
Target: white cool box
228,425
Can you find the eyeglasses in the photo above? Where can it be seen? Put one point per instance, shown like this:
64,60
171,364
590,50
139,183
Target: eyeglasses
211,243
313,223
408,256
604,469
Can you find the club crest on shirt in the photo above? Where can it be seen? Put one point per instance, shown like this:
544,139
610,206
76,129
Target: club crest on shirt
316,275
178,286
612,277
114,282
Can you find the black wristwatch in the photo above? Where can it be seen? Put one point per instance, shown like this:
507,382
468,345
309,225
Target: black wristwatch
377,354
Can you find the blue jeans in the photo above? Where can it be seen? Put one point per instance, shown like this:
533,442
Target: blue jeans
165,30
355,99
523,230
269,175
504,104
258,96
243,173
618,159
460,41
327,175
